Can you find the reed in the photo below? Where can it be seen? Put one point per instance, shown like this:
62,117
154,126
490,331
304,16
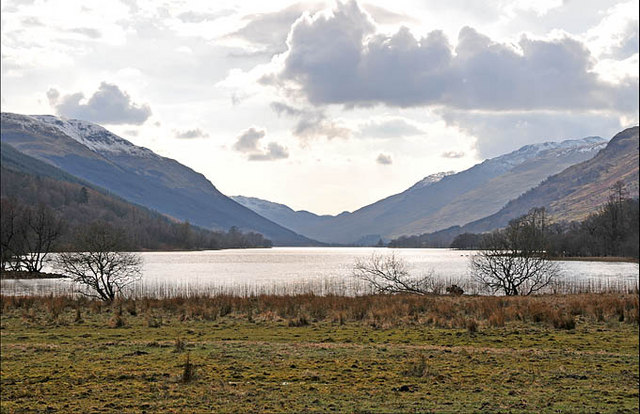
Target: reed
378,311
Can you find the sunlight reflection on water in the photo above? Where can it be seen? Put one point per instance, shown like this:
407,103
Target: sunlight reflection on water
318,270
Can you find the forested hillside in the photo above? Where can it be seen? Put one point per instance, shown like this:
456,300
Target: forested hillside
29,183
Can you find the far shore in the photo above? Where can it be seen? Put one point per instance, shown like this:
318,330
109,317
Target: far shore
13,274
597,259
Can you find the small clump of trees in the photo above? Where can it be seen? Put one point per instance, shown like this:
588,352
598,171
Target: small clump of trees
612,231
27,235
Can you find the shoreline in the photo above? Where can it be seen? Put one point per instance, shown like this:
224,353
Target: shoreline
610,259
20,274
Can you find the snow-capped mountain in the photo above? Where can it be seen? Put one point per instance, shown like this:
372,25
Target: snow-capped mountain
430,179
444,199
94,137
92,153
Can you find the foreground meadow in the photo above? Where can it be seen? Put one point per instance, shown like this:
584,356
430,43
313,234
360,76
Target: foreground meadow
573,353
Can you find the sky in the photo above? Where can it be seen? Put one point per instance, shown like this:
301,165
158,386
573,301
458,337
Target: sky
326,106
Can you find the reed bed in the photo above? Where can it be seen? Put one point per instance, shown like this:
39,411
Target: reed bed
337,286
378,311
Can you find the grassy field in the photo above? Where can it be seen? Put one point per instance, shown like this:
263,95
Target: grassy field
576,353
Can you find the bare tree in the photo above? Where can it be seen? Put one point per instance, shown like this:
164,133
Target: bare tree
10,249
513,260
42,228
102,266
389,275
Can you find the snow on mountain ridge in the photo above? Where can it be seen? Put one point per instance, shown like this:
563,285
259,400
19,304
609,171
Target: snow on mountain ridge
430,179
94,137
527,152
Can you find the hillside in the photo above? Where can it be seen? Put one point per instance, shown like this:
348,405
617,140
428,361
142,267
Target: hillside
26,181
579,190
95,155
440,200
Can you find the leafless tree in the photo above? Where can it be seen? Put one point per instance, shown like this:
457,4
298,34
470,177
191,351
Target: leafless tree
102,266
9,238
389,275
513,260
42,228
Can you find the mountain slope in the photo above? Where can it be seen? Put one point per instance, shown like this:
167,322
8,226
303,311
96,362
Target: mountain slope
303,221
92,153
445,200
26,181
579,190
298,221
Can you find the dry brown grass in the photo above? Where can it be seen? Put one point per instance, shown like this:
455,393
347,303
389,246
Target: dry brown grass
378,311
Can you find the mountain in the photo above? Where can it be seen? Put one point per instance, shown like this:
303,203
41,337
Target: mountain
440,200
579,190
26,181
298,221
93,154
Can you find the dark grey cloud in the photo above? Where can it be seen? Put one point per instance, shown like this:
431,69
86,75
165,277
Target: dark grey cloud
191,133
341,59
498,133
391,128
453,154
247,142
270,30
87,31
384,159
108,105
311,123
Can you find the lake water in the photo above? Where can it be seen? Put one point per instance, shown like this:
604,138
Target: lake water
320,270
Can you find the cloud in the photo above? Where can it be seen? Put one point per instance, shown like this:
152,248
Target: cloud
384,159
311,123
497,133
247,143
108,105
191,133
453,154
270,30
248,140
340,58
199,17
274,151
384,16
87,31
388,128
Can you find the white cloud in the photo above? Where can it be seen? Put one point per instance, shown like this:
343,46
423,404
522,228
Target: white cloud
388,127
108,105
453,154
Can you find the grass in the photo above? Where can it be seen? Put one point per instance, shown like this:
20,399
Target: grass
306,353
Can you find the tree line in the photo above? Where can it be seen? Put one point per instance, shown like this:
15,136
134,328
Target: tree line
610,231
42,214
29,233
